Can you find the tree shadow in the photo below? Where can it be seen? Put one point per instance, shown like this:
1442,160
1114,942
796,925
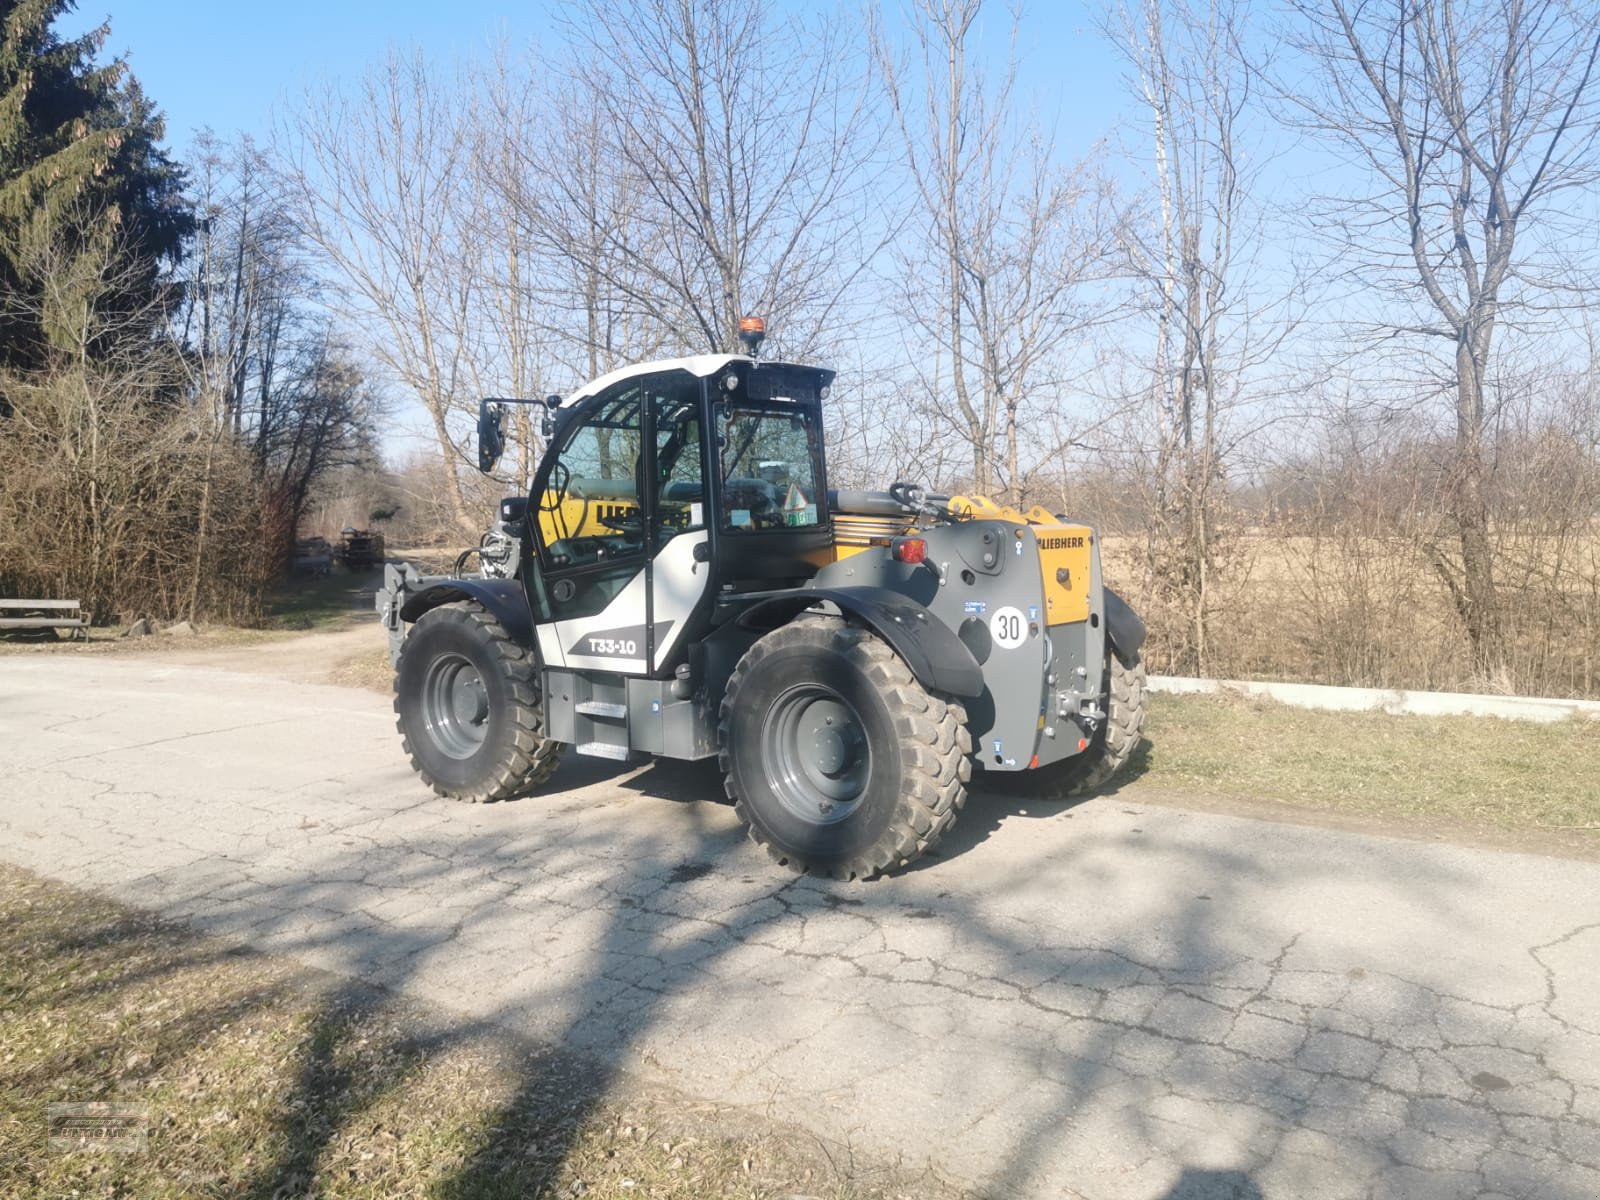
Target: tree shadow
1198,1184
1148,1020
1108,1003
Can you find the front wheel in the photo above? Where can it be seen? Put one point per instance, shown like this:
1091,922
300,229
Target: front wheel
467,708
837,759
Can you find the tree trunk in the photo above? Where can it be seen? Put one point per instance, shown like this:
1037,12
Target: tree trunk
1480,610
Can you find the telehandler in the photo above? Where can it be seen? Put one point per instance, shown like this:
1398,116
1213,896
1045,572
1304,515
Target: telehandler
680,581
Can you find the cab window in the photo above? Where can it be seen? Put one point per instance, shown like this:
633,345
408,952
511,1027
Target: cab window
680,489
589,508
769,469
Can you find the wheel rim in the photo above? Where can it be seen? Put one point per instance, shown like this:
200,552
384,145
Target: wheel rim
817,754
455,705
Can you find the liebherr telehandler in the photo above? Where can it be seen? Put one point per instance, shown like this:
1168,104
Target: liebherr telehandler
680,581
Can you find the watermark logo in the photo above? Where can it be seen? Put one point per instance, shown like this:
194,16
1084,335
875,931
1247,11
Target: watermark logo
99,1126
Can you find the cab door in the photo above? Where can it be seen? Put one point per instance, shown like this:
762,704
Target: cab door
616,510
679,583
588,535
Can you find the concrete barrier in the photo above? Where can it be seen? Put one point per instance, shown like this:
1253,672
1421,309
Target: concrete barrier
1422,704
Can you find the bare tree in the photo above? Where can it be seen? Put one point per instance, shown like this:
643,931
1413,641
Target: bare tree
379,183
511,334
1193,90
1003,248
1476,124
266,376
722,165
579,226
318,419
238,285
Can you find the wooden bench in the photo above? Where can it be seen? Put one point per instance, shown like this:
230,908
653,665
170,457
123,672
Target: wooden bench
43,614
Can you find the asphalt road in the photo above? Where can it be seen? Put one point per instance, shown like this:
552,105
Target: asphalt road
1115,1000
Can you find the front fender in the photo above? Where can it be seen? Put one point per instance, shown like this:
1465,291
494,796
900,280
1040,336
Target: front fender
503,598
939,659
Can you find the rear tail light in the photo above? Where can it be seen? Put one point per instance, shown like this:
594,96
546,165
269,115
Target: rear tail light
909,550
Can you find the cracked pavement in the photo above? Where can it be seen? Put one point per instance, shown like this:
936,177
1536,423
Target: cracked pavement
1111,1000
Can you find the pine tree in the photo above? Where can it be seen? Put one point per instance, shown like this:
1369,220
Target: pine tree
82,176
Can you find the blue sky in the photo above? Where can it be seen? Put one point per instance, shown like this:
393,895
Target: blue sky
230,65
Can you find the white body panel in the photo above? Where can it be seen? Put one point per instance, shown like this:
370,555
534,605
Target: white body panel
680,582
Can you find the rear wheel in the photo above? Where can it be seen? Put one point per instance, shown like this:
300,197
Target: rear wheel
837,759
1109,749
467,707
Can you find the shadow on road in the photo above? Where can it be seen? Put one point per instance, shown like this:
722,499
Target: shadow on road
1047,1023
990,801
1196,1184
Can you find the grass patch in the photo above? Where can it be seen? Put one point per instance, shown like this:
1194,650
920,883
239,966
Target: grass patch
1473,773
323,602
371,670
263,1079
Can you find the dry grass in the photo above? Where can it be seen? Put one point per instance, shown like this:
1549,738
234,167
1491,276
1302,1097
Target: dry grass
1369,611
371,670
265,1080
1474,776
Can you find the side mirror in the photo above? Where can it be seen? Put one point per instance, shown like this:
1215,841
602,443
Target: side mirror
547,426
491,435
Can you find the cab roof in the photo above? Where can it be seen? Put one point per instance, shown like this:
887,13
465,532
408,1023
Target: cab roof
699,365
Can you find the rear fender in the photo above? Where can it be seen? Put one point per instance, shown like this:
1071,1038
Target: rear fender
938,658
1124,626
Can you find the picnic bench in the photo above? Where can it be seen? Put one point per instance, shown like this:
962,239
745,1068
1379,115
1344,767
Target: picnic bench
43,614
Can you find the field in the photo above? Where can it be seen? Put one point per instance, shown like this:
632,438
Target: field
1478,780
1364,611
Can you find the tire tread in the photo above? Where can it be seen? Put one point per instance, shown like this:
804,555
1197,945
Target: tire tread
534,757
935,748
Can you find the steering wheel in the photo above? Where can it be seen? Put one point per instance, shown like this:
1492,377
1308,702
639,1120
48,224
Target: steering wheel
625,523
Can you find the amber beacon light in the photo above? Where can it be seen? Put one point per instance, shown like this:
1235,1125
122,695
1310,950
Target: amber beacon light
751,331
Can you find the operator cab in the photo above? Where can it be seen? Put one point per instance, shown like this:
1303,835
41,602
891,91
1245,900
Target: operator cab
666,488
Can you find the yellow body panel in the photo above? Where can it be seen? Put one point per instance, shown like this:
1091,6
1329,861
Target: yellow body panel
1061,548
583,518
1068,548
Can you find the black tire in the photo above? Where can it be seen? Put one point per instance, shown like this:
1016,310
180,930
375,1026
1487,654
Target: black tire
468,708
1109,750
821,715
